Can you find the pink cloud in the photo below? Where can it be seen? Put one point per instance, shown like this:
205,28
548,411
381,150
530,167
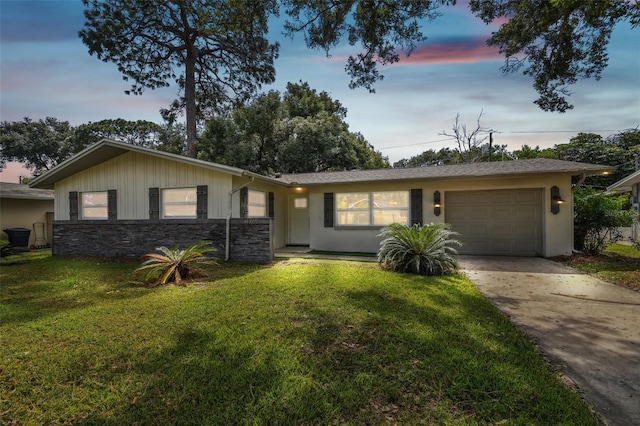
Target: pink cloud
452,52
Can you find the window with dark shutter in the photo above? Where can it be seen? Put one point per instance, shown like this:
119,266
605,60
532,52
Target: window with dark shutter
201,207
112,204
154,203
328,209
244,202
416,206
73,205
271,205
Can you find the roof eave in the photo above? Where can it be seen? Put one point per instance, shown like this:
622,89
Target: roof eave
626,183
573,172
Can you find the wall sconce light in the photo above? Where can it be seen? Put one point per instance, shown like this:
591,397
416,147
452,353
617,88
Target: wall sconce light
436,203
556,200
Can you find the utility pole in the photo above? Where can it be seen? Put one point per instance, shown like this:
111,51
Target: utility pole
490,145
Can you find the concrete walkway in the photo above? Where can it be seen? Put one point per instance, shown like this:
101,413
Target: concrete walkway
588,328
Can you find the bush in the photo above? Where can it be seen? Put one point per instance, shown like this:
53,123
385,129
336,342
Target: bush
175,265
597,217
424,250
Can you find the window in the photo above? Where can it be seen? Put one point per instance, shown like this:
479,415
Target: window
179,203
372,208
257,203
300,203
95,205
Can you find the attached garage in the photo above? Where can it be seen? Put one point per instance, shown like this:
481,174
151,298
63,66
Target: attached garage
497,222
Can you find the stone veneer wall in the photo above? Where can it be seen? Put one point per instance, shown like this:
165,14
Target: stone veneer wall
250,239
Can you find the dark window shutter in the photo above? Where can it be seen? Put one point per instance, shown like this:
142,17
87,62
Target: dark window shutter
201,207
244,202
416,206
328,209
73,205
154,203
271,205
112,204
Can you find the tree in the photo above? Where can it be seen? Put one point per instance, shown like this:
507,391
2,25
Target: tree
141,132
556,42
300,100
597,217
469,141
592,148
40,145
314,144
429,158
381,28
299,131
219,46
526,152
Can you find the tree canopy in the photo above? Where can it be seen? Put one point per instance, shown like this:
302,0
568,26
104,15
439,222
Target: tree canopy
215,50
40,145
297,132
620,150
43,144
556,42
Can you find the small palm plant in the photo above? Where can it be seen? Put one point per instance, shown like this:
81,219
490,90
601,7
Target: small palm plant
424,250
174,264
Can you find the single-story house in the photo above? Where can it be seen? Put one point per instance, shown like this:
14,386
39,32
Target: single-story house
630,184
22,207
117,199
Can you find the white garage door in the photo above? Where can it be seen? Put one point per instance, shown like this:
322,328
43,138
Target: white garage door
500,222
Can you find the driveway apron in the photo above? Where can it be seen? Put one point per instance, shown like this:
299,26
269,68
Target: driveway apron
588,328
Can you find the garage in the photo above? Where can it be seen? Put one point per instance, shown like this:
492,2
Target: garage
497,222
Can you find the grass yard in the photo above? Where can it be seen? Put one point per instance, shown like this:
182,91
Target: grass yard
296,342
618,264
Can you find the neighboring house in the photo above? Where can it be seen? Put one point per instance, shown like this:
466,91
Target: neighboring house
630,184
21,207
116,199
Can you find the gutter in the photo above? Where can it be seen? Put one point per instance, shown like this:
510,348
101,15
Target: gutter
228,221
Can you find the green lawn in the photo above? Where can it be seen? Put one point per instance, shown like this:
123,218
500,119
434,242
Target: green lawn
618,264
296,342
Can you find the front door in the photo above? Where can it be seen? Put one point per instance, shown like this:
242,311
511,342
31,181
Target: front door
298,220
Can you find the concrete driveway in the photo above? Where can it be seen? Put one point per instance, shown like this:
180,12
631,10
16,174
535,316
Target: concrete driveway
588,328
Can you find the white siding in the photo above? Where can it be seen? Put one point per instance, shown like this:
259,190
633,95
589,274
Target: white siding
132,174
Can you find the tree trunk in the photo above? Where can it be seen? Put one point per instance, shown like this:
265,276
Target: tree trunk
190,101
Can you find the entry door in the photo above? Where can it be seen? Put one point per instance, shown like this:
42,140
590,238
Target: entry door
298,219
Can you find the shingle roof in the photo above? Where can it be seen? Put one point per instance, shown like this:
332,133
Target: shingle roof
499,168
16,190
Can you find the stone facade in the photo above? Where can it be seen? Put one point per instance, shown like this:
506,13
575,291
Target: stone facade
250,239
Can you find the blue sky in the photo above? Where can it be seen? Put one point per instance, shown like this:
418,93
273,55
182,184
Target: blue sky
45,70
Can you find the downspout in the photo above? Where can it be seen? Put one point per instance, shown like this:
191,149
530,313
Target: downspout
228,228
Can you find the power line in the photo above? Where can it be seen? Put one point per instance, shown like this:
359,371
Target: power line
416,144
562,131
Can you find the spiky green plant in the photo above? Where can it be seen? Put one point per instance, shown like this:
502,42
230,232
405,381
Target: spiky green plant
175,264
424,250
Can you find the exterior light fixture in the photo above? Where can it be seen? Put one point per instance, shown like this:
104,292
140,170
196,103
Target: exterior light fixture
556,200
436,203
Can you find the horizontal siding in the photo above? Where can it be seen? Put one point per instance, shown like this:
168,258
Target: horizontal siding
132,174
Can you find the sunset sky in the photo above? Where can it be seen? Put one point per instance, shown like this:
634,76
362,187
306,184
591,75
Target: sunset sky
46,71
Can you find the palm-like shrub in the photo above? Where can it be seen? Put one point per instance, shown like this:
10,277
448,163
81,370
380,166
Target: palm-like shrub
424,250
175,264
